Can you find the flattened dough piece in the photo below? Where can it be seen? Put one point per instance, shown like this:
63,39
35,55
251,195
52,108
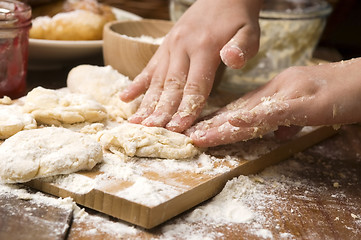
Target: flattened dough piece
138,140
47,152
104,84
54,107
13,120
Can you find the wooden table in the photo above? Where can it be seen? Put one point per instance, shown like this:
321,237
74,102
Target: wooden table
321,198
327,207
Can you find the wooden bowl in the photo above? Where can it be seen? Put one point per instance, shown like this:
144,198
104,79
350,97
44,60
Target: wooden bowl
122,48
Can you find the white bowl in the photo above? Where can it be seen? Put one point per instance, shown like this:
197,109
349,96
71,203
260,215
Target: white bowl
49,54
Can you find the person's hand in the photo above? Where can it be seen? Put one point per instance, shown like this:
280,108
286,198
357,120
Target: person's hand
179,77
327,94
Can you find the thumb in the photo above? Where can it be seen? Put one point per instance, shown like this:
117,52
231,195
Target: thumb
242,47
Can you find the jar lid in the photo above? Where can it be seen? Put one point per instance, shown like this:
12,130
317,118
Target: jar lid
295,9
14,14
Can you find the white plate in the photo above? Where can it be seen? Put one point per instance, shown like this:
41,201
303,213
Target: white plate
54,53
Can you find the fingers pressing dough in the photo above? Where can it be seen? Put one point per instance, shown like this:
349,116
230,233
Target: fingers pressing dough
141,141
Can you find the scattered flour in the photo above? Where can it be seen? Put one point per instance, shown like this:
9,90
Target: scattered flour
227,206
74,183
103,224
144,191
244,201
149,192
147,39
38,197
243,205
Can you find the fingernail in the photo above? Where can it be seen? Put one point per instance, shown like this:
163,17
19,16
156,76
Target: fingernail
233,56
198,134
137,117
124,94
153,121
134,119
172,125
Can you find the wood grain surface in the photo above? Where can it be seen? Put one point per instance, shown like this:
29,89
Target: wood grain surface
328,212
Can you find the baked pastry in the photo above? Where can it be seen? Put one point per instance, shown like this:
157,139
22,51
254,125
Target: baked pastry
71,20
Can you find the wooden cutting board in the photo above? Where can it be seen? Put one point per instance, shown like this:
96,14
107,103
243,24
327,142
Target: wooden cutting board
193,187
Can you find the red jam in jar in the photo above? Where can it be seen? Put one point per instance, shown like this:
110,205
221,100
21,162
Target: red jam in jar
15,22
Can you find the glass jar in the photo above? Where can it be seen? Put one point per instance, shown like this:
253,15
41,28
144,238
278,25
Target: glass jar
290,31
178,7
15,22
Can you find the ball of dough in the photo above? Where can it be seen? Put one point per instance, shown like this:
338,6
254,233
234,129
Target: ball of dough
104,84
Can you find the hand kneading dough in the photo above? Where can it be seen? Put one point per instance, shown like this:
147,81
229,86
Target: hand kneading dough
138,140
46,152
104,84
56,107
13,120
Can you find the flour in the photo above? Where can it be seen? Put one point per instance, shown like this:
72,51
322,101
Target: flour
227,206
188,232
244,202
74,183
38,197
148,192
233,205
264,233
143,190
101,223
146,39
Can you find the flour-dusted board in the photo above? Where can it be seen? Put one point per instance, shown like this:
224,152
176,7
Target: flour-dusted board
148,192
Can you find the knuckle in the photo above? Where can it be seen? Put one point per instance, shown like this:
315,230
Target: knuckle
194,88
206,40
175,82
292,72
177,34
156,84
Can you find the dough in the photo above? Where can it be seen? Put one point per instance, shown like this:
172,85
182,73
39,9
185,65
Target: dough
46,152
138,140
54,107
13,120
103,84
6,100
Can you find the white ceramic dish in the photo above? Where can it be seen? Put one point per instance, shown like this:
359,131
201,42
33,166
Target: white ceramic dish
54,54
